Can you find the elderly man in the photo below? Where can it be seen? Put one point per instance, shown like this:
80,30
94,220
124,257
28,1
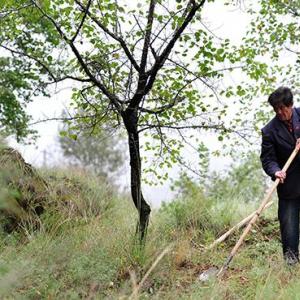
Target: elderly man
279,138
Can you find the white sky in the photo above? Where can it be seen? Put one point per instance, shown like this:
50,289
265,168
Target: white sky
224,22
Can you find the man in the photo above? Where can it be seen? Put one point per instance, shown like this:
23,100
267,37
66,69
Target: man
279,138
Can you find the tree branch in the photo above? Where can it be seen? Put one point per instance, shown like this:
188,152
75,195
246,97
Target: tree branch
197,77
174,102
219,127
151,74
42,64
177,157
142,81
84,66
166,23
82,92
172,42
111,34
293,51
82,20
5,13
62,119
147,36
213,126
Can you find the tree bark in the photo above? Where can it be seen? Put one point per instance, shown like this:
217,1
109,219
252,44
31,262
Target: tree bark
130,119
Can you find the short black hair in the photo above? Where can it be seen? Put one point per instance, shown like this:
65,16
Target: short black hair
282,95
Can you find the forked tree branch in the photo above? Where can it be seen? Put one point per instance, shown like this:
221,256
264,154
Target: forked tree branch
111,34
113,98
151,74
82,20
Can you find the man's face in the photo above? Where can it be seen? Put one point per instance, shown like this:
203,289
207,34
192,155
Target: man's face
284,113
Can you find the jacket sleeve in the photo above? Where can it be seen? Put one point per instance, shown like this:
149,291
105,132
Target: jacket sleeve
268,156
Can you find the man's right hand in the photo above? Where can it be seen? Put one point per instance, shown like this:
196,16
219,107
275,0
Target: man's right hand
281,175
298,144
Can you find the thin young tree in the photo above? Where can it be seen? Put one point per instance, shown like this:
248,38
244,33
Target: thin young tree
101,153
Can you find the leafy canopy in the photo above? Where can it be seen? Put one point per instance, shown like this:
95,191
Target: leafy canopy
100,45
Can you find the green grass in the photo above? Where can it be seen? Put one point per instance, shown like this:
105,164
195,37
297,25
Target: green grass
85,248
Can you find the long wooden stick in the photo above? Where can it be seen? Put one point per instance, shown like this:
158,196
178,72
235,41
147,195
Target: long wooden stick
136,289
256,215
235,227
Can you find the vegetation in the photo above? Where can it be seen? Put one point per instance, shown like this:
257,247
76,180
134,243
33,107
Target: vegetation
101,153
85,246
151,69
274,34
23,191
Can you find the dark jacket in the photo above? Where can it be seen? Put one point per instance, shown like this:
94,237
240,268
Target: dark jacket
277,145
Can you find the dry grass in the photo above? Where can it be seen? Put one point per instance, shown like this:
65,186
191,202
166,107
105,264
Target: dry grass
24,192
85,249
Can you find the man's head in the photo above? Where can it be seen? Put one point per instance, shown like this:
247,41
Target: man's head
282,102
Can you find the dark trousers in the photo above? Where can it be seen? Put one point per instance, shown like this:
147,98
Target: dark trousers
288,215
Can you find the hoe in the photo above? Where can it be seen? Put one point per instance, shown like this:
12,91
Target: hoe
218,272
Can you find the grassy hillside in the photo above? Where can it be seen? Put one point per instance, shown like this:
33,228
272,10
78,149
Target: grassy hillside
84,246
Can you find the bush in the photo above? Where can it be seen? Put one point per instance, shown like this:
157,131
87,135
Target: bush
244,180
213,208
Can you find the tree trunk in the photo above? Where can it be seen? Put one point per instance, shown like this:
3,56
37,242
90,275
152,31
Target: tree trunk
130,119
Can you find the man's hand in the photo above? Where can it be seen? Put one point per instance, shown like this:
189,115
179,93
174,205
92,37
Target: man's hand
298,144
281,175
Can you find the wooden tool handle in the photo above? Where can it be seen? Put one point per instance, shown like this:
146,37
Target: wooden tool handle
235,227
258,212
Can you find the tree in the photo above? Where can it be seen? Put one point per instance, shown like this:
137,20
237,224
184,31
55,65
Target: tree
275,34
101,153
133,68
274,38
15,93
